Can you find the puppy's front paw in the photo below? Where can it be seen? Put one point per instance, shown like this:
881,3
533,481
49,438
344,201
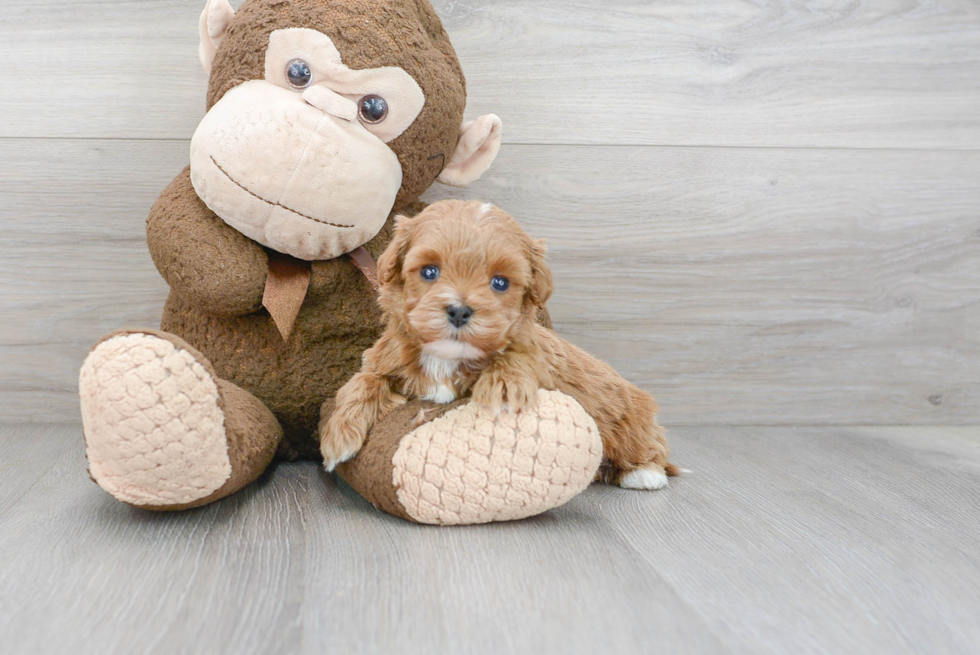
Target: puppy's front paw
339,442
498,391
488,394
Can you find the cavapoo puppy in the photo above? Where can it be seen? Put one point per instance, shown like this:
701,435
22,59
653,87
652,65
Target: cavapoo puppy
461,288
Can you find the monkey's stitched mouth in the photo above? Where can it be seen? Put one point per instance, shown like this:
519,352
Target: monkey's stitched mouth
269,202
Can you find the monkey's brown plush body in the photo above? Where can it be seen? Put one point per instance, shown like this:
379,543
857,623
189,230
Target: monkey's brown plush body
338,320
268,315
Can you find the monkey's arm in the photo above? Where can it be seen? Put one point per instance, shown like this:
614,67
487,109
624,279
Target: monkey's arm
204,260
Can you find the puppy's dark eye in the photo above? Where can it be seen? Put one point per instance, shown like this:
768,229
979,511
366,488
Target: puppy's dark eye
500,283
298,74
373,109
429,273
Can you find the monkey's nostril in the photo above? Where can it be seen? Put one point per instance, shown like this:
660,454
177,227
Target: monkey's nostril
459,314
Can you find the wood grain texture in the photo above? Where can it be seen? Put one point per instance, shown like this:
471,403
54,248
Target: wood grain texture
27,452
782,540
75,262
739,286
822,540
220,580
502,588
740,72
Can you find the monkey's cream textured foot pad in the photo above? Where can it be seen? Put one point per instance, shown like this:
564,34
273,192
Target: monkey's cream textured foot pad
470,466
154,430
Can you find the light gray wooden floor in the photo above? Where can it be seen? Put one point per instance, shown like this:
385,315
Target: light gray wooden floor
783,540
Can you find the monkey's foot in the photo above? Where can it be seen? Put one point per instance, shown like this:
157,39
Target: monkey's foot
153,421
470,465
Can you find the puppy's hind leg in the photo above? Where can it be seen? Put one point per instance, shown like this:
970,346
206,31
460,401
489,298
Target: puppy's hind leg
634,448
636,451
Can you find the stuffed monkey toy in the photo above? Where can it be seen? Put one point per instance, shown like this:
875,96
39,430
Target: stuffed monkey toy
325,119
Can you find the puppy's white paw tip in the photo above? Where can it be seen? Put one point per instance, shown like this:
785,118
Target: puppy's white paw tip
644,479
442,395
503,409
330,464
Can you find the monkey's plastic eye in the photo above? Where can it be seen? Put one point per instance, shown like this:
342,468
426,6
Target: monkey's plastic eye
429,273
298,74
500,283
373,109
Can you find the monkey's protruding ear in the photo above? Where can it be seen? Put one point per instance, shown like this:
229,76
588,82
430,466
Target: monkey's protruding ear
390,261
479,142
215,20
542,282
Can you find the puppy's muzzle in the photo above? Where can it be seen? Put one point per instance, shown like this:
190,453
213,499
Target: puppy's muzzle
459,314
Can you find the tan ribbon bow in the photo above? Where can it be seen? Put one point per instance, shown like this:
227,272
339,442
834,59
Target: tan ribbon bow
289,280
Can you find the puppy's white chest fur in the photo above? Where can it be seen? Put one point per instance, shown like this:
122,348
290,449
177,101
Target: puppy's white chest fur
439,369
440,360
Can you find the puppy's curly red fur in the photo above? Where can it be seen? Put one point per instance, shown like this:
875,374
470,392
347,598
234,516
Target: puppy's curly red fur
444,261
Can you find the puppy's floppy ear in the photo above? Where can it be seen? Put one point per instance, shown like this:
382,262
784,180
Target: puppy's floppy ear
390,261
542,283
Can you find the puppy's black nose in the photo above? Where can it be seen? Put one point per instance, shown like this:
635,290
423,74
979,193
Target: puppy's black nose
458,315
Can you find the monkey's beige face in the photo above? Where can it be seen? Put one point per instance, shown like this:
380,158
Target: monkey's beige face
298,161
465,277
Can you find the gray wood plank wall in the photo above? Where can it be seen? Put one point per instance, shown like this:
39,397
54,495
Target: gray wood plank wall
764,212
